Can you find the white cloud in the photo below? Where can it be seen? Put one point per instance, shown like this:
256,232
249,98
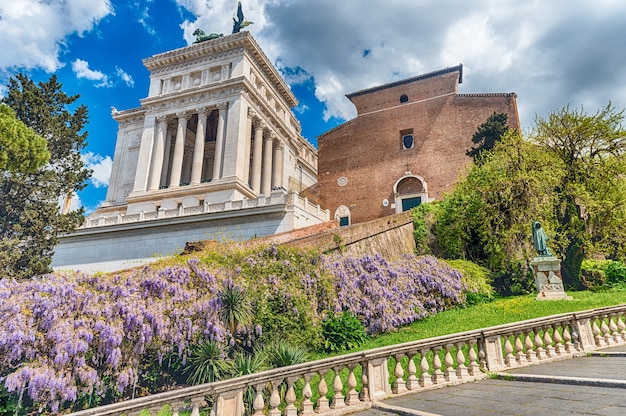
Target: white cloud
34,32
81,69
101,167
125,77
549,53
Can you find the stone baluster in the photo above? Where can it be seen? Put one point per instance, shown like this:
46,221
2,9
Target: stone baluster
322,389
606,331
259,403
531,357
473,368
352,397
615,338
275,400
567,339
196,402
597,335
539,350
621,327
307,393
547,339
290,397
364,396
450,373
438,376
338,399
509,358
412,383
461,369
558,340
482,356
520,356
399,386
575,336
425,378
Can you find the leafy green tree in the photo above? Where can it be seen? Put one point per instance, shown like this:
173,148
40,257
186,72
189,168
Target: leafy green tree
21,150
488,134
30,219
591,205
487,217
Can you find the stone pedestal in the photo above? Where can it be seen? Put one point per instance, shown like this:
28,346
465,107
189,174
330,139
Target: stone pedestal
547,272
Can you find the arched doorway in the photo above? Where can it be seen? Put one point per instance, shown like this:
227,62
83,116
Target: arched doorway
409,192
343,215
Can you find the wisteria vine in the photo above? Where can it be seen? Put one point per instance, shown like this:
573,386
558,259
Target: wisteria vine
67,336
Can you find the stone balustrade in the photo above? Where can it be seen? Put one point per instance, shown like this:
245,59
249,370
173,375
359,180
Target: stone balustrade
348,383
277,198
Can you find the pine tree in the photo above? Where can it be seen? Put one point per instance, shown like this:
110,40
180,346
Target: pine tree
488,134
30,218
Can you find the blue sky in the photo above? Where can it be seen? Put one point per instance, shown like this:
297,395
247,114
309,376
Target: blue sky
551,54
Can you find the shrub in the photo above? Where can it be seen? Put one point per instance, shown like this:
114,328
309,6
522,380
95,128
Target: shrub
593,274
615,272
476,281
515,279
342,332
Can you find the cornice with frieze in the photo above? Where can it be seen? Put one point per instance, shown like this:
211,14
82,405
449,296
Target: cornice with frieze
198,62
201,98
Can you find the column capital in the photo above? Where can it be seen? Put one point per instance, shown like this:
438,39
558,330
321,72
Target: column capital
183,115
222,106
162,119
269,137
252,114
204,111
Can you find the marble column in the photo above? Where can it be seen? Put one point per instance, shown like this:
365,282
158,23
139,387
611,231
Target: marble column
257,154
246,170
166,158
266,178
198,150
179,149
142,170
219,141
185,177
159,154
277,164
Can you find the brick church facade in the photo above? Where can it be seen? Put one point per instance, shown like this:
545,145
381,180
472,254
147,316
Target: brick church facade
406,146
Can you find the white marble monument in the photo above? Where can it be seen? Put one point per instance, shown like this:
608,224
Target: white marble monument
213,152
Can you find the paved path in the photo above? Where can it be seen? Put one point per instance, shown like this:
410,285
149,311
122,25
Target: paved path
592,385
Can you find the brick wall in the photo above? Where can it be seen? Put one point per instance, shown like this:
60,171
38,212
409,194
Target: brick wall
368,152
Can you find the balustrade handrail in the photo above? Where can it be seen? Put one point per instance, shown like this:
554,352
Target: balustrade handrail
490,349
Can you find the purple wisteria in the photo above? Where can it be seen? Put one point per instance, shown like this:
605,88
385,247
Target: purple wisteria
67,336
61,335
388,295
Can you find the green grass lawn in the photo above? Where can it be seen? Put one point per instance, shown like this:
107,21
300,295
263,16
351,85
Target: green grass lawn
500,311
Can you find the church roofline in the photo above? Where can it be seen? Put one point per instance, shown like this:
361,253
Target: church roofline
228,42
458,68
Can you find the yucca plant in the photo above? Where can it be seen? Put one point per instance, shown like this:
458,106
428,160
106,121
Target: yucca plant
236,309
207,363
283,354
